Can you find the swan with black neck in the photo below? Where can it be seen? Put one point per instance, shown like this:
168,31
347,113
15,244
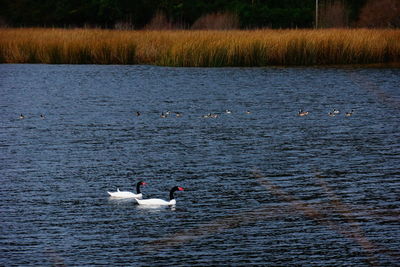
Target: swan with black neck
127,194
161,202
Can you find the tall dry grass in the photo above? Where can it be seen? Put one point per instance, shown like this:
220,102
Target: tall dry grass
200,48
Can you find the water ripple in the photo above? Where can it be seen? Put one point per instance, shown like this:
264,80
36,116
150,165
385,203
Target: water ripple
265,188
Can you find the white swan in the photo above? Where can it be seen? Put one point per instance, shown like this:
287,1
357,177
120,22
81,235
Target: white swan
127,194
161,202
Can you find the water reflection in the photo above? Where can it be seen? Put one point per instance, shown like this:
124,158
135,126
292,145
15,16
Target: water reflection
156,207
115,200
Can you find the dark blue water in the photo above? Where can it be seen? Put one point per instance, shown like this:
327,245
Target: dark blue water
265,188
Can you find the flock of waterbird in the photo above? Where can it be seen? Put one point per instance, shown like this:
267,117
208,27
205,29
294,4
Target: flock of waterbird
167,114
147,202
301,113
332,113
161,202
179,114
22,116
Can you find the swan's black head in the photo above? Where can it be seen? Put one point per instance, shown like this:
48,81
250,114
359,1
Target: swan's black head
173,189
138,186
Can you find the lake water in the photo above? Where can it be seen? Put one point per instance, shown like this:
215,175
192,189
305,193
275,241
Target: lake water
265,188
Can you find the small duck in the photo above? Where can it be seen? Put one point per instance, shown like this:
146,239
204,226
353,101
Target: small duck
42,116
248,112
163,115
210,115
228,111
348,114
21,117
335,111
214,116
302,113
331,114
138,113
178,114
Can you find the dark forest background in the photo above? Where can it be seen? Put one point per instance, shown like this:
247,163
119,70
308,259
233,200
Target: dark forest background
186,14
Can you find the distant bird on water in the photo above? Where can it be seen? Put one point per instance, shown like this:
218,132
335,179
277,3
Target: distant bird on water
210,115
348,114
302,113
127,194
138,113
161,202
334,112
21,117
42,116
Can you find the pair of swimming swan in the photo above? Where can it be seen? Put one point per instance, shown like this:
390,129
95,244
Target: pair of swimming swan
152,201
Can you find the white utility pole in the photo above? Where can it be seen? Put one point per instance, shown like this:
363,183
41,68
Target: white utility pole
316,14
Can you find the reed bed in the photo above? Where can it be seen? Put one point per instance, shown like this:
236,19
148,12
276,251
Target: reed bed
200,48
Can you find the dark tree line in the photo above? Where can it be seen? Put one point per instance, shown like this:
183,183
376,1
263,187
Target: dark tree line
138,13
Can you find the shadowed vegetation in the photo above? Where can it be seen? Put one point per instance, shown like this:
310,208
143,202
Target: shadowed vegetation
200,48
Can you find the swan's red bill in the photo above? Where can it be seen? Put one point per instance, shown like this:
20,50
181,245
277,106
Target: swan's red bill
180,188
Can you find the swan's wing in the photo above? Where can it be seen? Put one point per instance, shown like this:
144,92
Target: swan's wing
153,202
123,194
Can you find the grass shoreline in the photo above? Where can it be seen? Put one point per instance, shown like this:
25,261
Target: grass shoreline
233,48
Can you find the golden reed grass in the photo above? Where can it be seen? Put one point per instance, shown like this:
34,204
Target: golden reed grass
200,48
